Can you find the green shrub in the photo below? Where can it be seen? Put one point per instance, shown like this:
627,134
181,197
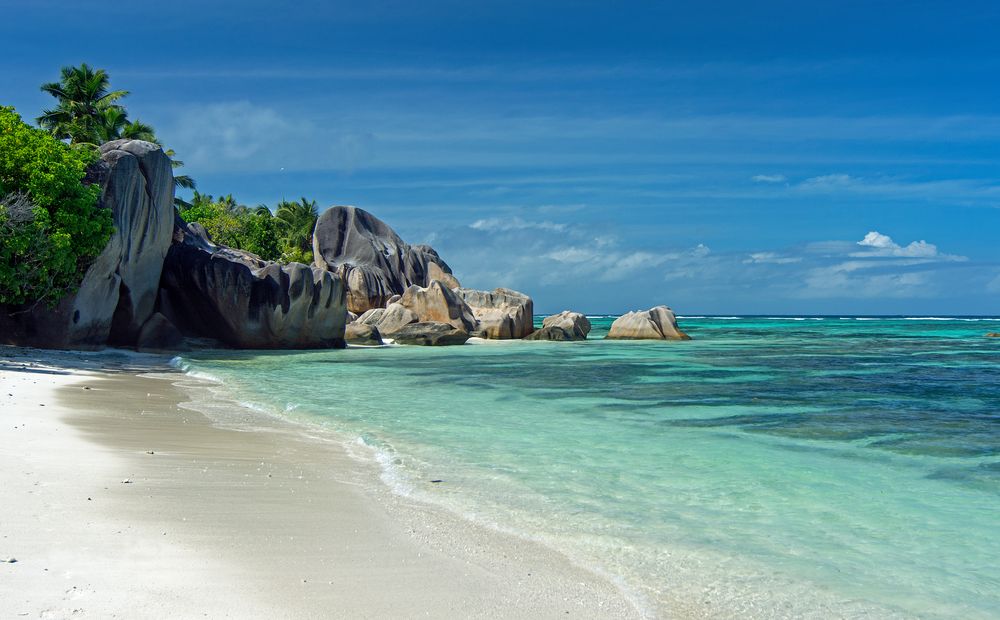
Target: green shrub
51,226
240,228
297,255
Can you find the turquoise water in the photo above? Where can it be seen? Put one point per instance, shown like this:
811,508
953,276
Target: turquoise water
769,467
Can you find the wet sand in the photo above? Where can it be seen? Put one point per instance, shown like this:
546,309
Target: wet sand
118,501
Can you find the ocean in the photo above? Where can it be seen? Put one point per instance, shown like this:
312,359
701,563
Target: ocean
770,467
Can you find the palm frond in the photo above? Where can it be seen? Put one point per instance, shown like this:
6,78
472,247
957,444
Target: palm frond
137,130
183,180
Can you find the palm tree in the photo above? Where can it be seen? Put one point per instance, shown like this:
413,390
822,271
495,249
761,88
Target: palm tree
87,114
197,200
83,96
109,123
229,204
138,130
297,220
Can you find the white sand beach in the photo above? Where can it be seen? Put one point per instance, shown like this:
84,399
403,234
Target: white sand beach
119,503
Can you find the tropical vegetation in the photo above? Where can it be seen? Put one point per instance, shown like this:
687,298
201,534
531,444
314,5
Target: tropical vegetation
51,226
88,114
285,236
296,221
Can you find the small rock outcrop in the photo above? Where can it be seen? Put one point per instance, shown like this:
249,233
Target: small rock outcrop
430,334
389,320
564,326
433,304
656,323
553,333
568,320
233,296
118,292
363,334
502,313
439,304
373,261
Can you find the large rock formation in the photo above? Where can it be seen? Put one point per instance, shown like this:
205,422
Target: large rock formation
502,313
217,292
563,326
370,257
118,292
656,323
431,334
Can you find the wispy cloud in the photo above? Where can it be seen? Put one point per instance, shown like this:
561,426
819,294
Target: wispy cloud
955,190
609,264
236,134
768,178
828,181
850,280
770,258
498,224
247,137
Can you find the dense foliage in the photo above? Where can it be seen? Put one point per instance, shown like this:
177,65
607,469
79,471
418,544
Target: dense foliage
51,226
296,221
285,237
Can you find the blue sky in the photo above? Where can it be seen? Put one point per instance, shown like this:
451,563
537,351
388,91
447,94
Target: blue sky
729,157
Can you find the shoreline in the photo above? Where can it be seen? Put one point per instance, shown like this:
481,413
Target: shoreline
231,521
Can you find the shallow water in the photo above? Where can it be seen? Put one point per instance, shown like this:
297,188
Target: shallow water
772,466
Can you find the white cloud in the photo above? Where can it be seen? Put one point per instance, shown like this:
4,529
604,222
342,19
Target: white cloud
881,268
498,224
768,178
701,250
876,239
877,244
